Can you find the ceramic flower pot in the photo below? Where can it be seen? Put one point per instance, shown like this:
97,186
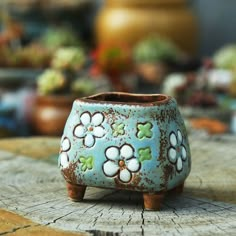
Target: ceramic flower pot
50,114
134,20
125,141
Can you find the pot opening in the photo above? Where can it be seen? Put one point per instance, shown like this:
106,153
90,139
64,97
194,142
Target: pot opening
127,98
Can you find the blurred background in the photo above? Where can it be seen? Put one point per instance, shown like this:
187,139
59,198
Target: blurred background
53,51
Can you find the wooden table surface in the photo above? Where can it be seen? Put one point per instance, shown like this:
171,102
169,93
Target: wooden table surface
33,198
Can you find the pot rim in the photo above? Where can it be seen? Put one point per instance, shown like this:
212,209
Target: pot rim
121,98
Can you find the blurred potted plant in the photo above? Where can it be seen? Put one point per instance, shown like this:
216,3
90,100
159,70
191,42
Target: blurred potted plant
114,60
225,64
189,90
69,59
57,88
151,57
24,57
57,37
225,57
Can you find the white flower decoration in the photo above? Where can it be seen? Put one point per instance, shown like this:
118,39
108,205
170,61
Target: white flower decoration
121,162
177,152
64,158
90,128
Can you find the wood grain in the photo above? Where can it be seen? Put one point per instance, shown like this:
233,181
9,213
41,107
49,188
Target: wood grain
13,224
35,189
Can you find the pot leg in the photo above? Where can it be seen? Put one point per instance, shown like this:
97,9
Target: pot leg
179,189
75,192
152,201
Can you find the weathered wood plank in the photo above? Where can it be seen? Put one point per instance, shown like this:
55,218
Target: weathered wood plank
13,224
36,190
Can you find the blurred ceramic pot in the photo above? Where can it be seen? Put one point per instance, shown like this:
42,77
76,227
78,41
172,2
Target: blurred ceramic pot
125,141
131,21
50,114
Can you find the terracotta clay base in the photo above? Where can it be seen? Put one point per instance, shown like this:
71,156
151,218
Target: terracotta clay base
152,201
76,192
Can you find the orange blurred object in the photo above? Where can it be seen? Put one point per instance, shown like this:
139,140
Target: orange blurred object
13,30
212,126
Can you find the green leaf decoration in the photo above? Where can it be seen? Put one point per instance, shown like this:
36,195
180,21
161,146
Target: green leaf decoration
82,159
145,154
87,163
118,129
144,130
84,167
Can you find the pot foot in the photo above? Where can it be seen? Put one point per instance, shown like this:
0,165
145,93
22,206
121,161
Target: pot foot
152,201
76,192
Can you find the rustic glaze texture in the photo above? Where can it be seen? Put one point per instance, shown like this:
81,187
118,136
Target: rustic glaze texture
124,141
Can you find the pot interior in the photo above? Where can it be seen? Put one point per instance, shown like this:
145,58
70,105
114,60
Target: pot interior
127,98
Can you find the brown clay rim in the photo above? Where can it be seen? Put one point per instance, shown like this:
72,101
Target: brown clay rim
127,99
144,2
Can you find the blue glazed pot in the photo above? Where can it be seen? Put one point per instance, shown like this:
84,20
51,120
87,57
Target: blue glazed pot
125,141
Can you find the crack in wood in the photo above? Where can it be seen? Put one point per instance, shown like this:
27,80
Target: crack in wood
59,218
143,222
16,229
96,218
102,233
